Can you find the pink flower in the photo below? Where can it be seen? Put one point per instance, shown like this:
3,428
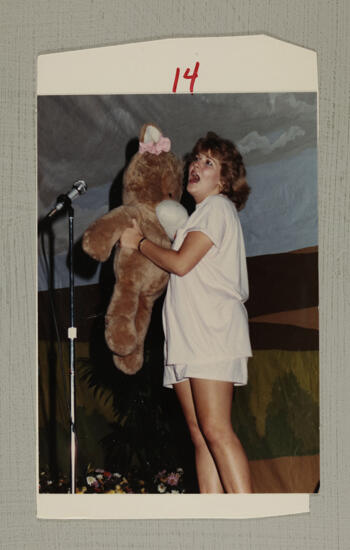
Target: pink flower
173,479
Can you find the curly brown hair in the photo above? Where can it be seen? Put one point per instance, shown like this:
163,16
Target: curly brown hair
233,172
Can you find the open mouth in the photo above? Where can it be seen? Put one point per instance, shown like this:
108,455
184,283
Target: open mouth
194,177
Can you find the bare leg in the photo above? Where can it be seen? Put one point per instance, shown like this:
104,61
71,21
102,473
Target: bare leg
213,402
207,475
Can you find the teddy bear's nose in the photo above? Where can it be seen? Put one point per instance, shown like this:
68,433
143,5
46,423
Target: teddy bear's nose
170,194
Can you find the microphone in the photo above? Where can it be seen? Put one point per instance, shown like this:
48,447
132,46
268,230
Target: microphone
79,187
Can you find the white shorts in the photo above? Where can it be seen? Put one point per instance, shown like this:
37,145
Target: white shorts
227,370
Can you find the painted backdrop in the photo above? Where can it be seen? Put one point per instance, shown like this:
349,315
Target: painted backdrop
125,420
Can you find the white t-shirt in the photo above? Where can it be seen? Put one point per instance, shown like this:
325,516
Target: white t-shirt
204,318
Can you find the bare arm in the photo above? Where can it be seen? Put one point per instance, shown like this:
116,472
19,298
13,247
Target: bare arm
180,262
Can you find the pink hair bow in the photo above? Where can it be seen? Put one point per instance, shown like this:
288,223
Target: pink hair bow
163,144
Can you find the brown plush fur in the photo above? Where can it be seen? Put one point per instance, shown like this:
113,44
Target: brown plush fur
148,180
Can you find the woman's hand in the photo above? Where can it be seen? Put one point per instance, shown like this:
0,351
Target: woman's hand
130,238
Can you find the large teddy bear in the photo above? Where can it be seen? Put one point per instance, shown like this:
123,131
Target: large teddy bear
152,181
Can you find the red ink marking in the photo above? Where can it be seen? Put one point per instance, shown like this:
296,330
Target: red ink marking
192,77
177,74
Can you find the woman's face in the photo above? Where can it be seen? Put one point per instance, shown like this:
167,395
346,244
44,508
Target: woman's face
204,176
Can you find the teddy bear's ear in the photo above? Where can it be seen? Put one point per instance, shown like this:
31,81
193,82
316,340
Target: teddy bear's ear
150,133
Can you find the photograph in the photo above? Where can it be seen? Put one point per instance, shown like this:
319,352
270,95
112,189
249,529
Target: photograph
178,293
175,329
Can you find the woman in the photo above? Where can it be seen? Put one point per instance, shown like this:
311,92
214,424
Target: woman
205,322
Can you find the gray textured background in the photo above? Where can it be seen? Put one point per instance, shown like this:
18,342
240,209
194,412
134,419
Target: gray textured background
32,27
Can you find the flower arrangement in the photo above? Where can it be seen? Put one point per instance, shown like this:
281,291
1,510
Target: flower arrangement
102,481
170,482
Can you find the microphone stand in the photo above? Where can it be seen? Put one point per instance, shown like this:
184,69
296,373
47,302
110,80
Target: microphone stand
79,187
72,334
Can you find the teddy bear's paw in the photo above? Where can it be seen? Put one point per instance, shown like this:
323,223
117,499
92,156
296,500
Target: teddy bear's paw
98,251
120,335
130,364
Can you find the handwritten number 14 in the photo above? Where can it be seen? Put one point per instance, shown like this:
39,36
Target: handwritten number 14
192,77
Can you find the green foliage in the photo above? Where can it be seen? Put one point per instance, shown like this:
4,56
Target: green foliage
290,415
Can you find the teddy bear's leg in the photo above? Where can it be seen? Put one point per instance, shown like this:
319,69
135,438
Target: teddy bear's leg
143,317
121,332
132,363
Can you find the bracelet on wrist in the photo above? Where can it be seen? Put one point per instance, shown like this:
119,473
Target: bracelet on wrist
139,245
